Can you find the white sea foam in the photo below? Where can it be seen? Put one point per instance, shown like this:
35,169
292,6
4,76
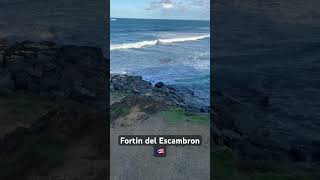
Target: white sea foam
155,42
133,45
182,39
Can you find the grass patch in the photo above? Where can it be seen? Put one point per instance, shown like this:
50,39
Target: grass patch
174,115
177,115
198,118
226,167
117,96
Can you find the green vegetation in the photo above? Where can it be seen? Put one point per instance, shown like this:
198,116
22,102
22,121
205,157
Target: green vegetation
226,166
176,115
198,118
117,96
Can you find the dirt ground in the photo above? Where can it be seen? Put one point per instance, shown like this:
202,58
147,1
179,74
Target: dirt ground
139,163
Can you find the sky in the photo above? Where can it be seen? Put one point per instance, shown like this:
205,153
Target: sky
161,9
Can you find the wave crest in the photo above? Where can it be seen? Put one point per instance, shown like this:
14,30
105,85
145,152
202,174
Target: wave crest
142,44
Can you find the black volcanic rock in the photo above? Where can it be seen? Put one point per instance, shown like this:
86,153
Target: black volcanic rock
77,72
136,86
159,85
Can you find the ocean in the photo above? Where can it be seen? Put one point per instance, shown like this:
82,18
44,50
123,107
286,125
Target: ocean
175,52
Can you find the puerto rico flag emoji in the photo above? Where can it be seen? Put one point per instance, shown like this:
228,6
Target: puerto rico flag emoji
159,151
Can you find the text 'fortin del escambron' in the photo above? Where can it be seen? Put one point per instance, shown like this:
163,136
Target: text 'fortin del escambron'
176,140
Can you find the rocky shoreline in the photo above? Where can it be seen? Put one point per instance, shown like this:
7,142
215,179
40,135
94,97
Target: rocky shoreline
53,111
76,72
164,94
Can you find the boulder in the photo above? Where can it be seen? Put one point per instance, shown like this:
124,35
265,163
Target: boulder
135,85
159,85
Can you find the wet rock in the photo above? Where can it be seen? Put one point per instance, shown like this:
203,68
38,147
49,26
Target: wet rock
129,83
159,85
135,85
205,109
171,88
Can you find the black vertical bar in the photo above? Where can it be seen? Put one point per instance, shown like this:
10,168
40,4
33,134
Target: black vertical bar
212,85
107,50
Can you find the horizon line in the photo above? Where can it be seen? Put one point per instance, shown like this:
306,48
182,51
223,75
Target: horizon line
162,19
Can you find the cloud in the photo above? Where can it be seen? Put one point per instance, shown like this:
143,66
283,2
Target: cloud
166,5
161,4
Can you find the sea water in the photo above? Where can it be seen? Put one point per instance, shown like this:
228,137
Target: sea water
176,52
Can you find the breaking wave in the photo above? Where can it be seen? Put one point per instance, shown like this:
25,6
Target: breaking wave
142,44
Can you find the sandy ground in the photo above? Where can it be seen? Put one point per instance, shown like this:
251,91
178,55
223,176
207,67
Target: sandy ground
139,163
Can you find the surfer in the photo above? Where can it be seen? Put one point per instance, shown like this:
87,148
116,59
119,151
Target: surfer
158,42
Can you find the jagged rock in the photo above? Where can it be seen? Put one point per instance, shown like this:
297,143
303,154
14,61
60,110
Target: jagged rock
44,67
159,85
168,95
